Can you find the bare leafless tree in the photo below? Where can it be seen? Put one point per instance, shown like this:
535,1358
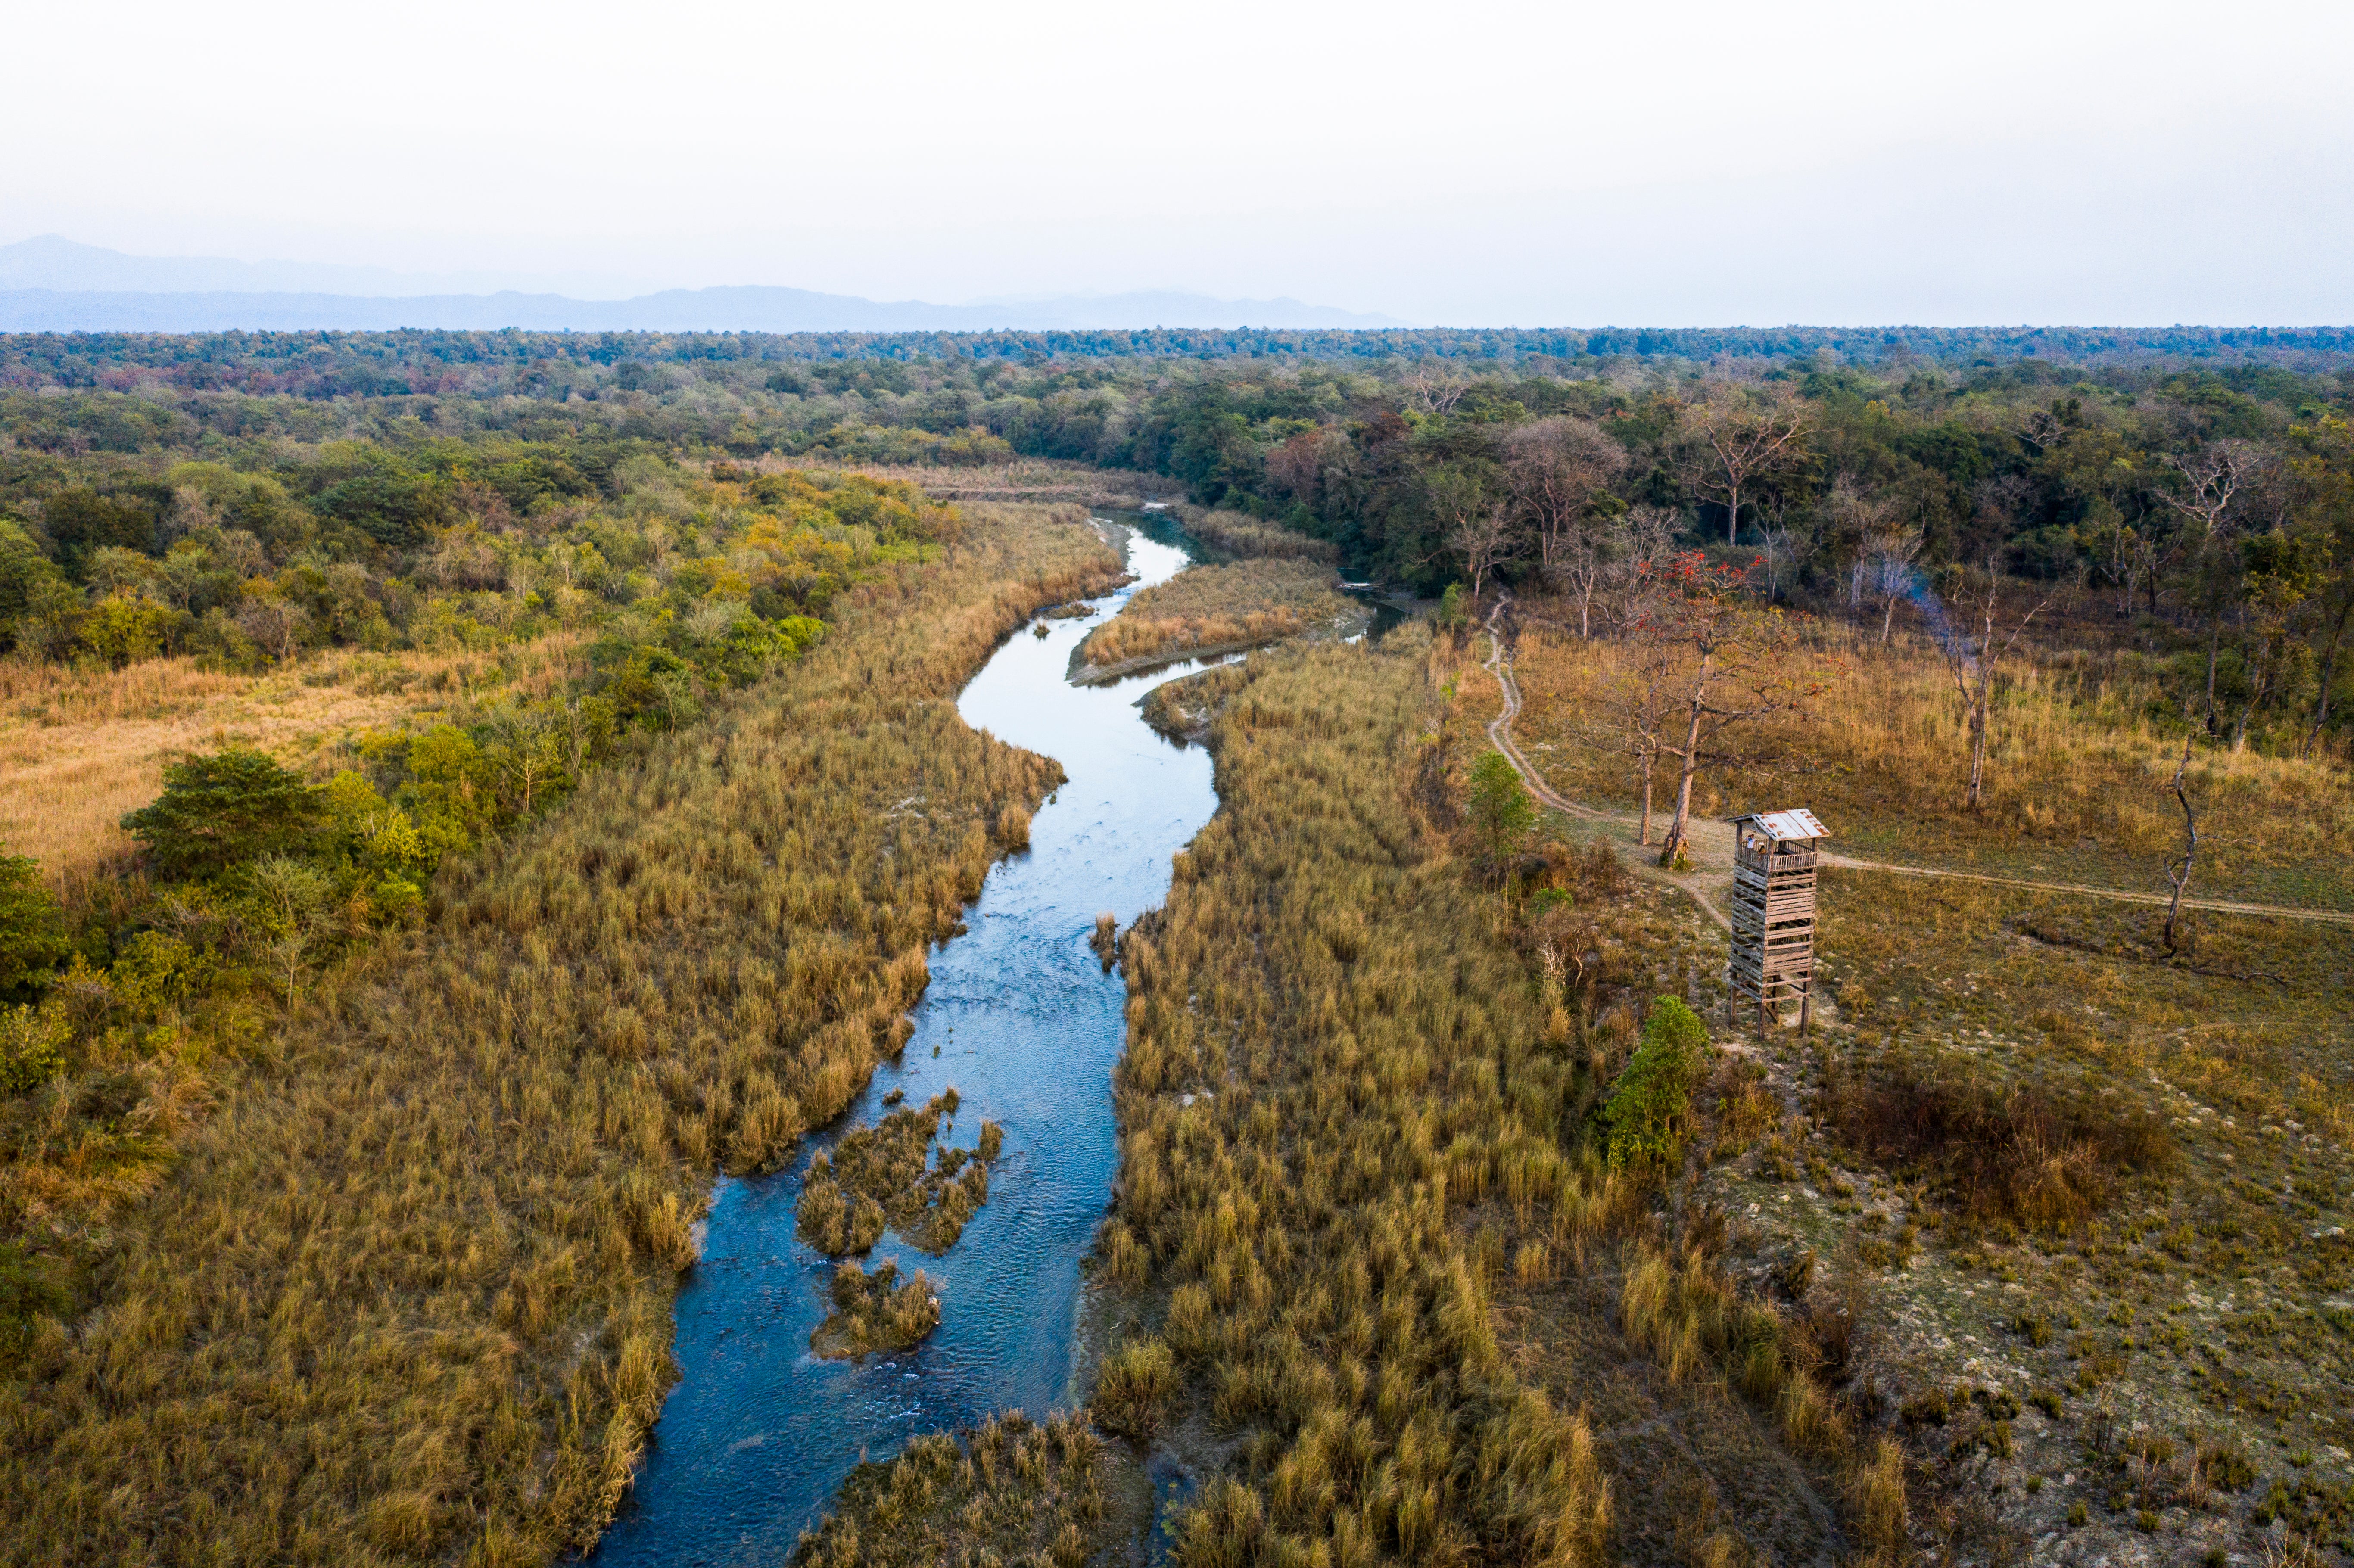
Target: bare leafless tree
1486,537
1975,650
1640,543
2177,869
1785,547
2212,478
1890,554
276,624
1730,663
1556,468
1437,388
1735,439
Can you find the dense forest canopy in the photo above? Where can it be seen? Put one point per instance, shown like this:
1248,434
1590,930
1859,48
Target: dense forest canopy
2189,485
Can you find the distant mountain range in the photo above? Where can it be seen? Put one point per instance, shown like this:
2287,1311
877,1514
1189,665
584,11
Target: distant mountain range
52,285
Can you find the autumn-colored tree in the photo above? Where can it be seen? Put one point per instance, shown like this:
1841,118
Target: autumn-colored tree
1557,469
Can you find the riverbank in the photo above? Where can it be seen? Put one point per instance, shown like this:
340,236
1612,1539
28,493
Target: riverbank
691,963
1020,1018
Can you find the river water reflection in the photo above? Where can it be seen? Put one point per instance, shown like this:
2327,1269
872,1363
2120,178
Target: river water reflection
757,1435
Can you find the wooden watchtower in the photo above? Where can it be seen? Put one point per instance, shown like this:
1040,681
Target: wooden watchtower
1774,866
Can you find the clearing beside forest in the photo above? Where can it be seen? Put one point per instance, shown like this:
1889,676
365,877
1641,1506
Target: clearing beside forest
2089,1194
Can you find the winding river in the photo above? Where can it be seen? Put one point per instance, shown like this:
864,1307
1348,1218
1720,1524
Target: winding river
1022,1019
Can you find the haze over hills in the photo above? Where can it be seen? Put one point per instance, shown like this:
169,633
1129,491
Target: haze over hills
53,284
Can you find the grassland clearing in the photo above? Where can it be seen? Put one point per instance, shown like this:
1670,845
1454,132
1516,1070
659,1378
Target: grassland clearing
79,749
2083,747
2088,1194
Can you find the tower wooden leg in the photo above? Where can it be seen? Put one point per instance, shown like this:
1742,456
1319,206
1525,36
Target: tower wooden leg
1806,1009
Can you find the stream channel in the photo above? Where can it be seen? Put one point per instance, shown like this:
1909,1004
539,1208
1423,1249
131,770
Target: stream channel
757,1438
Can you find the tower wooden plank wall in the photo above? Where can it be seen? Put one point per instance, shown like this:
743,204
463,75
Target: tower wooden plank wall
1775,860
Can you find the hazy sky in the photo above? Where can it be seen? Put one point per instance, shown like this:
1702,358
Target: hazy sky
1561,162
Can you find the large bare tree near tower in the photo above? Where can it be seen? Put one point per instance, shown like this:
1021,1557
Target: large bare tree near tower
1728,660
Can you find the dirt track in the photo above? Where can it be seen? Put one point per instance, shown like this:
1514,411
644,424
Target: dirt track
1710,842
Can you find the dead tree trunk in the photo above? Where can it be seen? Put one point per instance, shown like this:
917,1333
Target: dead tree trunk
2178,871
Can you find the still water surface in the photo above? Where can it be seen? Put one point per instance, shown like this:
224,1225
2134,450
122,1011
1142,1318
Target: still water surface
757,1435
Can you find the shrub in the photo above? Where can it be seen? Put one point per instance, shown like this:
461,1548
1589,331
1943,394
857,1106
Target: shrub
2015,1152
221,811
1500,811
1648,1107
31,927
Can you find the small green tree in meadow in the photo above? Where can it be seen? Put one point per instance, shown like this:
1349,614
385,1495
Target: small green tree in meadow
222,810
1648,1106
33,937
1500,811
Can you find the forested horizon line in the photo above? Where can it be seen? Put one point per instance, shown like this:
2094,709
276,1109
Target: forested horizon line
35,360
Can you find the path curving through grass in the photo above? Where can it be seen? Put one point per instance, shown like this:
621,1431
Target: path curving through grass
1711,842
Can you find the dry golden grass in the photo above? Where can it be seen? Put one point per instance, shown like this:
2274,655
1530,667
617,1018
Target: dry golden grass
1023,480
406,1296
1013,1491
1245,537
877,1311
1371,1050
1219,608
78,748
2077,771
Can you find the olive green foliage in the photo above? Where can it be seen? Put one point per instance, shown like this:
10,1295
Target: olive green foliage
221,811
1012,1492
435,1231
1649,1106
33,937
2052,455
885,1175
877,1311
1497,807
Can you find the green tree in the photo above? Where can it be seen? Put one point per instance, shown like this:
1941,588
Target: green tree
31,927
222,810
1501,813
1646,1112
293,904
81,522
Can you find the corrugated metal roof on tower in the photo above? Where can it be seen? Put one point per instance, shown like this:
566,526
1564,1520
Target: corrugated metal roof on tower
1796,822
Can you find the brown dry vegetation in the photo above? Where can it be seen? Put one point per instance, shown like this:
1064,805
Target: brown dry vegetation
80,748
884,1175
1013,1491
877,1311
1245,537
1207,608
1356,1183
408,1296
2077,769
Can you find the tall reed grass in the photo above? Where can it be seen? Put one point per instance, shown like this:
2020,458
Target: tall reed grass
407,1298
1331,1059
1207,608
